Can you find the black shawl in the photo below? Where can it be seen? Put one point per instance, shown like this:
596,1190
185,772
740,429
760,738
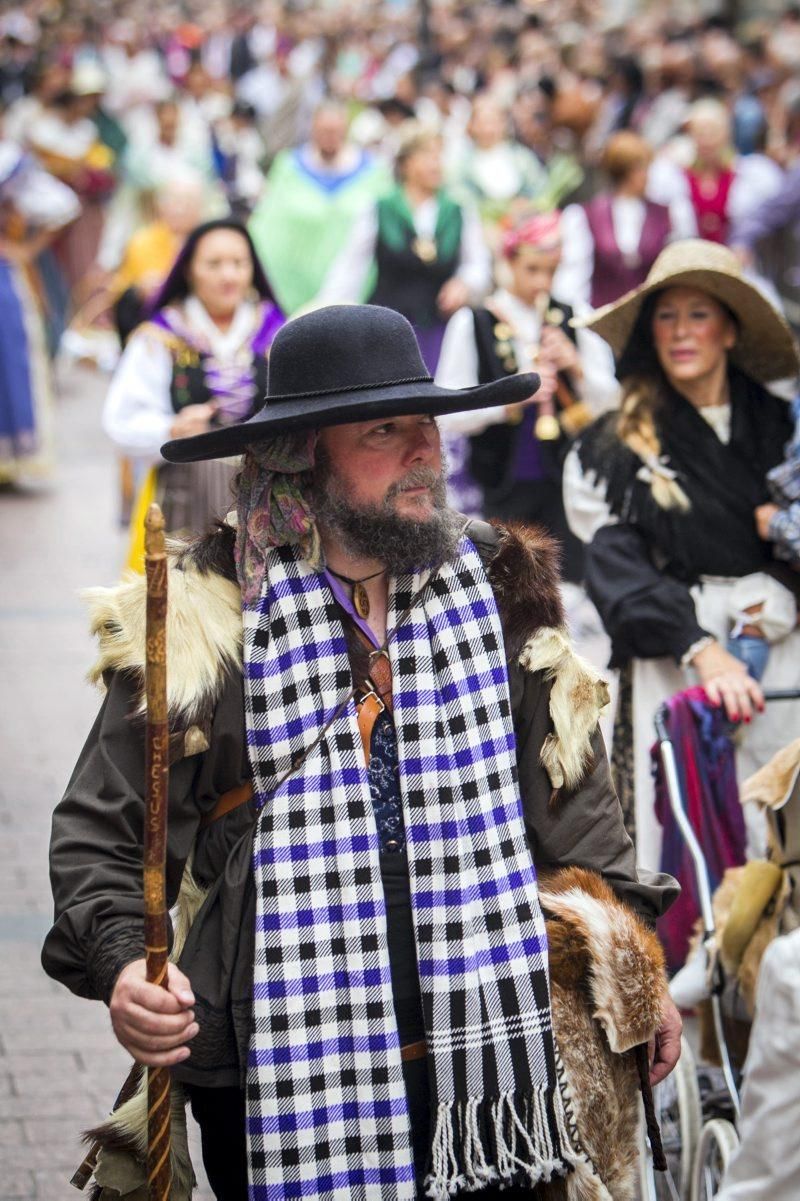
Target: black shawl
640,569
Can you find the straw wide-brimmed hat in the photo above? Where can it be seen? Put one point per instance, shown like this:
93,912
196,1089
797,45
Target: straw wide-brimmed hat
341,364
765,347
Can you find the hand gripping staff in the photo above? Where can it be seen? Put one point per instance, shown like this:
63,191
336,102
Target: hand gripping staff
159,1172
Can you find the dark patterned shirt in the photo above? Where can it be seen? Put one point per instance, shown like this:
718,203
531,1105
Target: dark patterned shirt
384,785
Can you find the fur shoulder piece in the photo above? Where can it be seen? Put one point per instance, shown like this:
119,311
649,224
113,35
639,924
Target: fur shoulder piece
577,698
204,632
522,564
524,573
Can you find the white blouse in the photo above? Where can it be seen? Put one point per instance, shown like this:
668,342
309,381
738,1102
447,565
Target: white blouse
458,362
138,413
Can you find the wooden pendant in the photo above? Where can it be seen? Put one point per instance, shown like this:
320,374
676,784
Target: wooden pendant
361,600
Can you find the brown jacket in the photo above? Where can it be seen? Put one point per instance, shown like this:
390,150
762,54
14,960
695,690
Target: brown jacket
571,811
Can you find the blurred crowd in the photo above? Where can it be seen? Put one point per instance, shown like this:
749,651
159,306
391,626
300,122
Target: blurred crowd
296,118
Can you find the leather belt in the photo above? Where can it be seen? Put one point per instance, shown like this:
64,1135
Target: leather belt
416,1050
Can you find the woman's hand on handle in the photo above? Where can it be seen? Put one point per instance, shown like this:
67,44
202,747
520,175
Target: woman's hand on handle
153,1023
727,682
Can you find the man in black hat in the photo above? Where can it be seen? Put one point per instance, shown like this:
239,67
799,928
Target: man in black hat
373,703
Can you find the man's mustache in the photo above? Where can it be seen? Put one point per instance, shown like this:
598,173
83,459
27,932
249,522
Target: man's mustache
417,477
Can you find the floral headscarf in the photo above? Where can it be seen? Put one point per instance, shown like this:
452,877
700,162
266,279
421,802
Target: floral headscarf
272,507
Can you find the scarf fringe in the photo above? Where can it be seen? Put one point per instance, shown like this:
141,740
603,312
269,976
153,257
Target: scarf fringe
506,1139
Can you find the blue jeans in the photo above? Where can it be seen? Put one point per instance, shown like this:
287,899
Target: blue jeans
753,652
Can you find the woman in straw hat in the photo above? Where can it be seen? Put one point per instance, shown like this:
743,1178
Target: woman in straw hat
664,492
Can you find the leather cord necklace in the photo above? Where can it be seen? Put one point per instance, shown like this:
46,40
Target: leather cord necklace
360,594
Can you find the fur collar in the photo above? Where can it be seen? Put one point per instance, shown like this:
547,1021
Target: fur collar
204,633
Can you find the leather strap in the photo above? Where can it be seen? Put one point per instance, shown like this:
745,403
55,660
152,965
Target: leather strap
414,1050
368,709
380,672
375,699
227,803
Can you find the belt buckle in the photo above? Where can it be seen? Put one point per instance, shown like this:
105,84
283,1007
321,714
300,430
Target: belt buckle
372,693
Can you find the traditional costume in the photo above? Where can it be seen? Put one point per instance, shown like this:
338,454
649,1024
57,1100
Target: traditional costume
368,949
661,573
180,357
612,242
492,177
719,200
74,152
518,470
400,257
31,201
311,205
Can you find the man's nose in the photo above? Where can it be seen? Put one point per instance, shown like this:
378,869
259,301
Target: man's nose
423,444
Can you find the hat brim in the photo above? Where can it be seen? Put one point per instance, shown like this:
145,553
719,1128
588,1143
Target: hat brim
373,404
765,348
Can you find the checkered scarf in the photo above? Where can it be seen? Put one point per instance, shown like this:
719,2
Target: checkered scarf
327,1110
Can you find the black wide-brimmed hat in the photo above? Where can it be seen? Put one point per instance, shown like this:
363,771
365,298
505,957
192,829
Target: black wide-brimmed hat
342,364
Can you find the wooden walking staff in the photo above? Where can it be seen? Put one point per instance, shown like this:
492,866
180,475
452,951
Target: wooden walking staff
159,1171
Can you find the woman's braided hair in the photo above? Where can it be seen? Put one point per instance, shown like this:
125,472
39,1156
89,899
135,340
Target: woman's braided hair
636,428
643,394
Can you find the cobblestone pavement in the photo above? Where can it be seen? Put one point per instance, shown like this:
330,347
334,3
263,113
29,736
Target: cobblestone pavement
60,1066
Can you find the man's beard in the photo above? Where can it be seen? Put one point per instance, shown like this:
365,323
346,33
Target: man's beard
377,531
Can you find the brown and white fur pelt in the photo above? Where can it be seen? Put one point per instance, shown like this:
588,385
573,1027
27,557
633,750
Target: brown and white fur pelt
120,1171
608,986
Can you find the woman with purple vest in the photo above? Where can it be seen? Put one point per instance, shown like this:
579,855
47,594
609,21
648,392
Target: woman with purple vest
611,242
198,363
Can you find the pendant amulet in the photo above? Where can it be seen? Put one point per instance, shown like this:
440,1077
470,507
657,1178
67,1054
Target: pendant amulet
361,601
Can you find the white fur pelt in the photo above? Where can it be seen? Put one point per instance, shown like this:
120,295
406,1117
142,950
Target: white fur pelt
577,699
204,632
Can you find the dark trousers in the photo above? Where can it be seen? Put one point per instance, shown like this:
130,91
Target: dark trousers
220,1114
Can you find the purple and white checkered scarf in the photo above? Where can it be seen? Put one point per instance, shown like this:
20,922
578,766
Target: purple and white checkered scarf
327,1110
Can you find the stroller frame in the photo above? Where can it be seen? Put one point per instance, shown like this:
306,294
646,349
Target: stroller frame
700,1136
